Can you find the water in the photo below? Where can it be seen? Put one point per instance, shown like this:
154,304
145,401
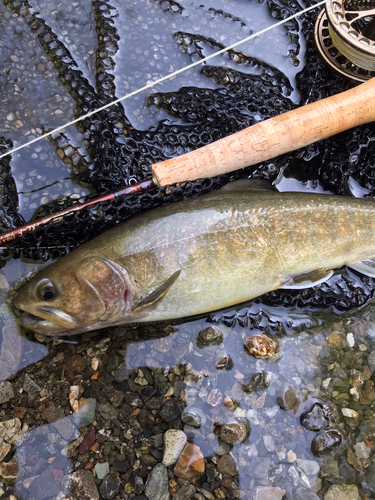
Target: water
132,384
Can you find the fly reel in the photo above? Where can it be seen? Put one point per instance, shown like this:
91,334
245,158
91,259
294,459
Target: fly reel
345,37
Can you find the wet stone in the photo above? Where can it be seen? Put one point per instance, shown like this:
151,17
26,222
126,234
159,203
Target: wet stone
342,492
193,416
191,462
174,442
225,465
76,364
170,410
258,382
291,400
122,373
326,443
102,470
309,467
157,484
362,450
6,392
367,393
371,361
214,398
81,484
86,413
44,486
268,493
209,336
184,493
87,442
8,472
31,387
314,419
261,346
233,433
109,486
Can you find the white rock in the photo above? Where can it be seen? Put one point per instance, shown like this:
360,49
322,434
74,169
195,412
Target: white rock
174,443
362,450
309,467
350,339
291,456
348,412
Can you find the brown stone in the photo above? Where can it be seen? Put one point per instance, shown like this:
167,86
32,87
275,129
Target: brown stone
225,465
336,340
367,393
8,472
87,442
191,462
354,461
76,364
20,411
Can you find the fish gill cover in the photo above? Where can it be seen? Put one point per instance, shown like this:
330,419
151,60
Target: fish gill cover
106,152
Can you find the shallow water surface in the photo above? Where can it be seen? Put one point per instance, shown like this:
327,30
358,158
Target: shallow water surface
180,411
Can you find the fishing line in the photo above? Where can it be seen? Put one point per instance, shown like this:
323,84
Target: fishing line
164,78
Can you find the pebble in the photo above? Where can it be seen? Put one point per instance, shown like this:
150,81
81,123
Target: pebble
86,413
191,462
157,484
102,470
170,411
234,433
76,364
81,484
10,430
225,465
31,387
350,339
348,412
109,486
326,443
174,442
314,419
268,493
4,449
309,467
215,397
261,346
362,450
8,472
209,336
291,456
193,416
87,442
6,392
342,492
371,361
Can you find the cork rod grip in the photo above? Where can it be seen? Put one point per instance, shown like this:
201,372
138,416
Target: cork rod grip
274,137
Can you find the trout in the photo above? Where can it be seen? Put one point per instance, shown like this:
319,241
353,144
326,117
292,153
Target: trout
200,255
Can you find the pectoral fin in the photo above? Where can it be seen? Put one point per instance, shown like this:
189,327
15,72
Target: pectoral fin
366,267
154,298
307,280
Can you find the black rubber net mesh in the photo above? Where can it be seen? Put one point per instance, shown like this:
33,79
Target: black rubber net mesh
122,155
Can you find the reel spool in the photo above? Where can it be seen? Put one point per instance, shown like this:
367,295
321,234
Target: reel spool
345,37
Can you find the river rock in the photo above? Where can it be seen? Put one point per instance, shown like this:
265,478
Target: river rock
86,413
225,465
362,450
326,443
234,433
81,484
102,470
193,416
174,442
267,493
109,486
170,411
10,430
309,467
209,336
314,419
191,462
157,484
342,492
6,392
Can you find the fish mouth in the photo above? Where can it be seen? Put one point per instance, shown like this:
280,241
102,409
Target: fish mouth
50,320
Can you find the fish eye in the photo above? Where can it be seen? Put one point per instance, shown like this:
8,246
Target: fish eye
46,290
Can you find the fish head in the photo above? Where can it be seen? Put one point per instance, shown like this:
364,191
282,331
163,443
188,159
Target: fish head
73,296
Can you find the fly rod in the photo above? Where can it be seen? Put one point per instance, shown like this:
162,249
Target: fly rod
263,141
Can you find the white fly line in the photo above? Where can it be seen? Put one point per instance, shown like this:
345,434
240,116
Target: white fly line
164,78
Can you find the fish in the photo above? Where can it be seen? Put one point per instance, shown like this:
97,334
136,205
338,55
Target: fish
200,255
